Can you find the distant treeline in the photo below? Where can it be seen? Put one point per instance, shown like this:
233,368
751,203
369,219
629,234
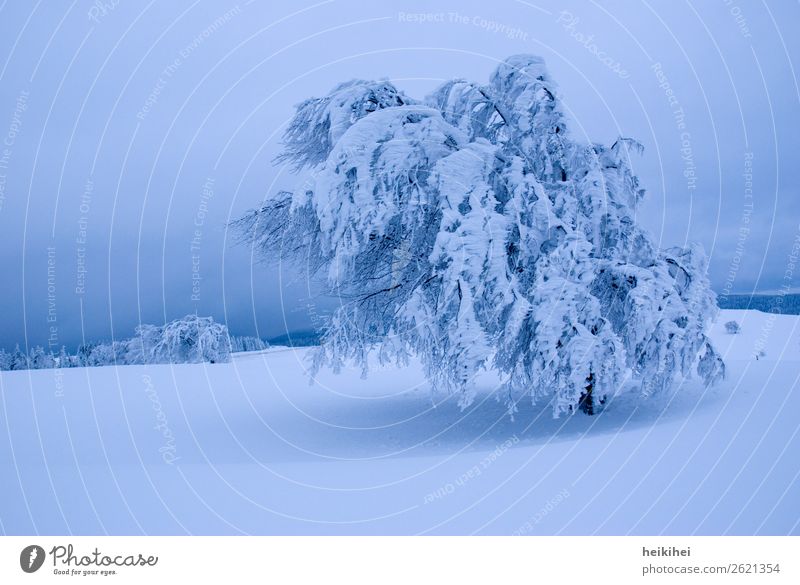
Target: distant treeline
788,304
302,338
192,339
247,343
196,339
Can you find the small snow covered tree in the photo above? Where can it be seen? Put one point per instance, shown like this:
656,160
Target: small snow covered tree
63,359
103,354
39,359
471,230
141,347
192,340
84,354
5,360
19,361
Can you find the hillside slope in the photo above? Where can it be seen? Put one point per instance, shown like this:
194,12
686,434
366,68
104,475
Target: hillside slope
251,447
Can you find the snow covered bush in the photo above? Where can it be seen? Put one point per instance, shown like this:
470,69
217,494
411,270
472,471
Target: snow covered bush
732,327
471,230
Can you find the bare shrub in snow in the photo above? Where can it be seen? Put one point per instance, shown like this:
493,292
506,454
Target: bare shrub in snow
732,327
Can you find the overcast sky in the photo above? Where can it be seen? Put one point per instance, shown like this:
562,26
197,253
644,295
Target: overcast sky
132,134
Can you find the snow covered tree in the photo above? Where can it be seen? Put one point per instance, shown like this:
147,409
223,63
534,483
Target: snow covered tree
142,346
471,230
102,354
19,361
39,359
84,354
5,360
191,339
63,359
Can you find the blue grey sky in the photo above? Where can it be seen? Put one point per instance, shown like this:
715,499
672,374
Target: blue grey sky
132,132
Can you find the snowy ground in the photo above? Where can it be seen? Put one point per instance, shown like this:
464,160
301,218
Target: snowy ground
251,447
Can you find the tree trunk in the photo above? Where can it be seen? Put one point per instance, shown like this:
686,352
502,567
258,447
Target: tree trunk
586,403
